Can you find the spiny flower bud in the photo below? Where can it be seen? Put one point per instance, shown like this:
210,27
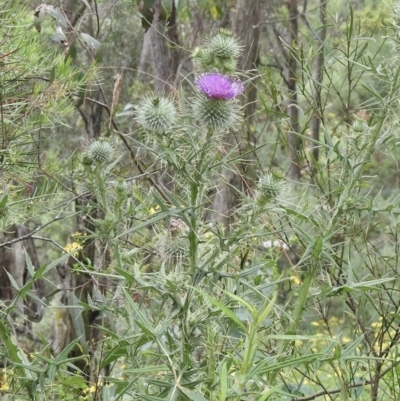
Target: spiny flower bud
218,86
100,152
269,187
224,45
216,113
360,126
219,52
156,114
174,249
121,188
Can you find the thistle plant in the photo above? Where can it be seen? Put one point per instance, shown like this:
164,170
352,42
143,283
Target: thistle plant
156,114
244,310
270,187
219,52
173,249
218,86
100,152
215,105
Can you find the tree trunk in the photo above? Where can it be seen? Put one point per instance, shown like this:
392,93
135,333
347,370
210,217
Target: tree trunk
246,29
12,261
79,287
315,122
292,107
165,60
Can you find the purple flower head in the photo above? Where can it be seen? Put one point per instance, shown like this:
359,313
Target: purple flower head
218,86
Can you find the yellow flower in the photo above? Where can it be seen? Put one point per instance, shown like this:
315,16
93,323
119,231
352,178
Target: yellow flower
4,380
73,247
214,12
4,386
153,210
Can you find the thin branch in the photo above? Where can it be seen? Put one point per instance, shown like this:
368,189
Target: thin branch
48,240
35,230
122,137
355,385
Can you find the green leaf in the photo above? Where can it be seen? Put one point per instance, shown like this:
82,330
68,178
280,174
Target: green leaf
77,320
117,352
60,37
4,198
12,281
29,266
85,2
43,270
224,381
223,309
192,395
93,44
363,286
288,337
54,12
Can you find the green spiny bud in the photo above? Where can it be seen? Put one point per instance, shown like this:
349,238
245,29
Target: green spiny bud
360,126
224,45
174,249
218,114
86,161
121,188
204,59
156,114
269,187
100,152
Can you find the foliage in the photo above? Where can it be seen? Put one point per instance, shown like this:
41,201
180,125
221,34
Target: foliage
296,300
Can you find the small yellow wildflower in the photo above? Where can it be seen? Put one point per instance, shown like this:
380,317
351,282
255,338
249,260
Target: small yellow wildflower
91,389
153,210
315,324
214,12
4,385
73,247
77,234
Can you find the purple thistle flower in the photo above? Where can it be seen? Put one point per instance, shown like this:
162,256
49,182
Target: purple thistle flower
218,86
